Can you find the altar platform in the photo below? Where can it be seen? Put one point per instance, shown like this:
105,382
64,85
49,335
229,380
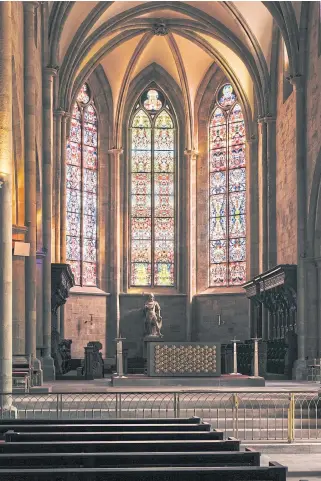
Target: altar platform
225,380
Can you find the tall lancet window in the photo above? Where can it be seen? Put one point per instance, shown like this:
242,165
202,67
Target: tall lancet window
82,187
152,192
227,189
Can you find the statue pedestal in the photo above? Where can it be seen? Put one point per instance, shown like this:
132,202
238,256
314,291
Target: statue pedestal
147,340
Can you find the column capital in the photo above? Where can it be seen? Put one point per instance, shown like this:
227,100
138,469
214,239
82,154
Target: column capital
296,81
50,71
269,119
266,119
30,6
59,113
115,151
252,140
190,153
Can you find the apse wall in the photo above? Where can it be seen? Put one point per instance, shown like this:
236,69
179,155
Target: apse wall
286,212
313,98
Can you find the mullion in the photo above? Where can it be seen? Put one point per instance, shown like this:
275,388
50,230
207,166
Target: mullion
81,195
152,179
227,200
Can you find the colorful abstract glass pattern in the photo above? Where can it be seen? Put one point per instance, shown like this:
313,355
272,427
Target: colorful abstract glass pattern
227,192
82,190
152,196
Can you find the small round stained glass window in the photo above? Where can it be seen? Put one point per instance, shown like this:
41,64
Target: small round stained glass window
84,94
152,100
226,96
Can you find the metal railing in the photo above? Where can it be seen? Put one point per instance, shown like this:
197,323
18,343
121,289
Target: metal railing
268,415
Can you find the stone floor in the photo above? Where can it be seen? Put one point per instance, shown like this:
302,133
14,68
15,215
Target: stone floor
300,466
102,385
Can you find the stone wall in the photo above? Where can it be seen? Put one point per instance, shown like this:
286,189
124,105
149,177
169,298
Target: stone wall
313,93
85,319
233,309
173,311
286,213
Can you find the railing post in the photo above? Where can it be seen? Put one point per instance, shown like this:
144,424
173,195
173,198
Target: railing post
116,406
236,417
175,405
291,414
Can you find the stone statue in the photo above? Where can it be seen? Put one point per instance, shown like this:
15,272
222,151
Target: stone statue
153,319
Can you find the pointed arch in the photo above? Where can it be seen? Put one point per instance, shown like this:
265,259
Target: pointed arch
153,158
227,188
82,190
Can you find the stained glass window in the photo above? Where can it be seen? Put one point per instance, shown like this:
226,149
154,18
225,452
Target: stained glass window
82,190
152,199
227,190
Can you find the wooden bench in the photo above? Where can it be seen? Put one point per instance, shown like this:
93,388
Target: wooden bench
12,436
22,371
231,444
21,380
274,472
101,460
191,420
39,428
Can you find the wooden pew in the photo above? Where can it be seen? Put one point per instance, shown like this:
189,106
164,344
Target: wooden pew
274,472
103,460
191,420
40,428
12,436
231,444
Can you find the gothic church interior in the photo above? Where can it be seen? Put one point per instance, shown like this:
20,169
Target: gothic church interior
163,147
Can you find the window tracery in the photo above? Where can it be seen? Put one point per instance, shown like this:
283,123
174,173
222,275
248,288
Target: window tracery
152,192
82,190
227,192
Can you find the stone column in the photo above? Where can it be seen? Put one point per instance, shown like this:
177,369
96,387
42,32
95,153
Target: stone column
18,305
115,154
253,209
298,84
30,178
264,199
318,317
63,200
47,98
5,201
271,191
57,180
190,209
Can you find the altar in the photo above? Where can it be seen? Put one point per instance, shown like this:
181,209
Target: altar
183,364
176,363
183,359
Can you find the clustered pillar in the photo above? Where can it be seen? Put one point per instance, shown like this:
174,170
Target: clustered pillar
49,73
116,224
5,201
30,179
190,168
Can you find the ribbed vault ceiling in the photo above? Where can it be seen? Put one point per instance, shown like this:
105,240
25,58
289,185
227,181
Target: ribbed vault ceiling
119,36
